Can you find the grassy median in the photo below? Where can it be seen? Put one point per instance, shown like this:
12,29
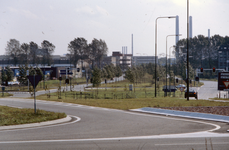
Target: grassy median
125,103
15,116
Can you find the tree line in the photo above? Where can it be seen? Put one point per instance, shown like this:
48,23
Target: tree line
203,52
92,53
30,53
78,49
8,75
108,72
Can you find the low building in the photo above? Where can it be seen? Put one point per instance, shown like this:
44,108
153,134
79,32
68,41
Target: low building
123,60
137,60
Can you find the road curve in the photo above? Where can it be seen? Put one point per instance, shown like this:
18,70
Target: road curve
101,125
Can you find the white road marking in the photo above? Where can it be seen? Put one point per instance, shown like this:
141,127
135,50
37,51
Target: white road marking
176,144
186,135
217,127
46,126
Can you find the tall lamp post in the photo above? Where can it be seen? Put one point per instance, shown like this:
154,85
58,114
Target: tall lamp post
166,60
187,50
169,70
169,17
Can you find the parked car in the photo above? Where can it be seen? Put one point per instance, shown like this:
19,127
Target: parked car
13,83
192,93
181,85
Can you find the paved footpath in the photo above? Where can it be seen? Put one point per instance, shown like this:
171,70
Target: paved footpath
184,114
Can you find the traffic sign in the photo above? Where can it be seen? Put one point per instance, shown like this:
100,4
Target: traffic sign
223,80
37,79
226,83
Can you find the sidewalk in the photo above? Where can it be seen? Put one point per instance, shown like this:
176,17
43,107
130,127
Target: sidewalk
185,114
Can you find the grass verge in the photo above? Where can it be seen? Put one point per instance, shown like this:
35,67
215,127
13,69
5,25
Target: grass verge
5,95
15,116
129,103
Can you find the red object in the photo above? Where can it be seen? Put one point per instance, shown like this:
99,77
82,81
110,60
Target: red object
213,69
201,69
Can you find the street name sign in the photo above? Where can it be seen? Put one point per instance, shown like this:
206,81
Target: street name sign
223,80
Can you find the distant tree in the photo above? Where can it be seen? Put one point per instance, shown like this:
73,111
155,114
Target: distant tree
13,50
7,75
78,50
96,50
23,75
96,77
32,71
33,53
104,73
3,76
129,75
118,72
24,54
110,71
48,49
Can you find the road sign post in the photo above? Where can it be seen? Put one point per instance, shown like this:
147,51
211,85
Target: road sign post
34,80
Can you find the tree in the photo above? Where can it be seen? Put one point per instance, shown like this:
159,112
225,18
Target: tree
13,50
96,50
33,53
24,54
129,75
48,49
96,77
3,76
7,75
104,73
78,50
23,75
118,71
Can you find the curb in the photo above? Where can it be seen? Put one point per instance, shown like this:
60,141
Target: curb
30,125
184,114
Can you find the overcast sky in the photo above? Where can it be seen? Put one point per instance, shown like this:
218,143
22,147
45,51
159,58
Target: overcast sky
60,21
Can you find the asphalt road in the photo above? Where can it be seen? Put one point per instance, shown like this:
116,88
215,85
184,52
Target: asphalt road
100,128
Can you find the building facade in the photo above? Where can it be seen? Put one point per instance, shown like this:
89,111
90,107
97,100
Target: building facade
137,60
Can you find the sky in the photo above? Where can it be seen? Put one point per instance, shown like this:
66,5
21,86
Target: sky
114,21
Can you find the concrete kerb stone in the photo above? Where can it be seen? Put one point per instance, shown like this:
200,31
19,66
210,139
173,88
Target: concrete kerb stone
30,125
183,116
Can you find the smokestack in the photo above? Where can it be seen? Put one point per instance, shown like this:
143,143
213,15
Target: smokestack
190,26
126,49
132,46
177,28
209,34
122,50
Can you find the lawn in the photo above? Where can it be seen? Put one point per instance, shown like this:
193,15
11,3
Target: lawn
124,103
118,96
49,84
15,116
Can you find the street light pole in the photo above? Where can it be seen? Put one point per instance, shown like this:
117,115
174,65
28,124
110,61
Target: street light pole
166,60
156,51
187,50
169,70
